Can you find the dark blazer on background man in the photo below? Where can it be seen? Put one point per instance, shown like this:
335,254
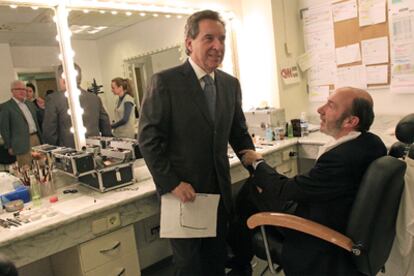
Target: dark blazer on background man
57,122
14,127
325,195
178,138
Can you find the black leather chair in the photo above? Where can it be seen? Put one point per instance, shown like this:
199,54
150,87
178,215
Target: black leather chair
371,226
404,131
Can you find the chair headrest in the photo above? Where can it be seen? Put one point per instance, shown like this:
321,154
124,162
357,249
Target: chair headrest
398,150
404,131
411,152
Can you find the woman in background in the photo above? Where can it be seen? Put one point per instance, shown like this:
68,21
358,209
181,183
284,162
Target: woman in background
37,101
124,125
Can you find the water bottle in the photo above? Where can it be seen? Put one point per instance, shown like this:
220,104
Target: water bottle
35,192
304,130
269,133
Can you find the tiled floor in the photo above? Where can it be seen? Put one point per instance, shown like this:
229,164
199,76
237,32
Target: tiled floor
165,268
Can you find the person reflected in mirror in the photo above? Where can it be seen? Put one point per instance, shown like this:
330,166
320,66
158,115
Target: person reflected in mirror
324,194
57,122
37,101
125,121
19,127
50,91
189,115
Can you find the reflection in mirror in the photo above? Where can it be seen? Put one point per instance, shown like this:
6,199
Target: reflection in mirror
28,48
130,45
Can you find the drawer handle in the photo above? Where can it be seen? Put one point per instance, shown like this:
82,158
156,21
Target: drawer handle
121,272
115,246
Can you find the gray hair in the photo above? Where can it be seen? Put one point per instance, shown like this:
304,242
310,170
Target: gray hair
192,26
15,82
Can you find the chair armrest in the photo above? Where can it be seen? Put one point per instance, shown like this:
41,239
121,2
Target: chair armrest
302,225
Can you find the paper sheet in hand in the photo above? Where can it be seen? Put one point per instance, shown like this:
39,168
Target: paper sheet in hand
196,219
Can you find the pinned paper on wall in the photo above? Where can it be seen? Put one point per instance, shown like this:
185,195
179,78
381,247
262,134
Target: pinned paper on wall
308,59
348,54
344,10
377,74
371,12
355,76
318,93
322,74
402,45
375,50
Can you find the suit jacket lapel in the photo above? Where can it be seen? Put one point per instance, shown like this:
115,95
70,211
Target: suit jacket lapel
17,108
197,94
220,96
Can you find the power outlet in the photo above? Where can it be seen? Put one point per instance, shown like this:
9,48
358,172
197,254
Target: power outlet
113,220
152,228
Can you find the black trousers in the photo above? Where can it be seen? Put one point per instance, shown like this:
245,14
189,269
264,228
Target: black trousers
248,202
203,256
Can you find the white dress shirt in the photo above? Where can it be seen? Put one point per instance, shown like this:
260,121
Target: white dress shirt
200,73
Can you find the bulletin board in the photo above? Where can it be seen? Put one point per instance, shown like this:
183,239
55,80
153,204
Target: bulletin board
347,39
349,32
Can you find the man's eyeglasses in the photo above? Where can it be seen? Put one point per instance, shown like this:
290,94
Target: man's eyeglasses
19,89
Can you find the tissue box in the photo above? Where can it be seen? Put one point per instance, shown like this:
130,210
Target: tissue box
21,192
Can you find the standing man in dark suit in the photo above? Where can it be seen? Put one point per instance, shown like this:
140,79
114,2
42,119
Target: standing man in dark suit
18,125
57,122
189,115
324,194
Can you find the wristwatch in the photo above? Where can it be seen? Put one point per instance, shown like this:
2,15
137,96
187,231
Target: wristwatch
257,162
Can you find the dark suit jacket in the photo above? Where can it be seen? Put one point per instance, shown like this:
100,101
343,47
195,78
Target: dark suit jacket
325,194
14,127
57,122
178,139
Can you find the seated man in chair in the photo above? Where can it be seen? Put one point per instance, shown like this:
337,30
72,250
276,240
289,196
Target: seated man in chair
324,194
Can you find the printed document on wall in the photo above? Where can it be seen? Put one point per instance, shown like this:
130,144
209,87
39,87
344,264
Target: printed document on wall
318,28
197,219
318,93
377,74
344,10
348,54
371,12
402,47
322,74
375,50
355,76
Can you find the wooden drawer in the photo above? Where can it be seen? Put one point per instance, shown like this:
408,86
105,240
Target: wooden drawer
107,248
124,266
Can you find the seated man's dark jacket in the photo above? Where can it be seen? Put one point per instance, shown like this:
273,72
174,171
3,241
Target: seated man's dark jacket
325,195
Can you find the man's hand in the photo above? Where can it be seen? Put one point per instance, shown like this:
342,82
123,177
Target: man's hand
185,192
41,103
249,156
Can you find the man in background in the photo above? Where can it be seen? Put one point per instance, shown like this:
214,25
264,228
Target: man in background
57,122
189,115
18,124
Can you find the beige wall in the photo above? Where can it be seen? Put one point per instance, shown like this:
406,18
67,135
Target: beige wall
289,45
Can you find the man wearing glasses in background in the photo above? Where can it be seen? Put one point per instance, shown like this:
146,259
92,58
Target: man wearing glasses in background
18,124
